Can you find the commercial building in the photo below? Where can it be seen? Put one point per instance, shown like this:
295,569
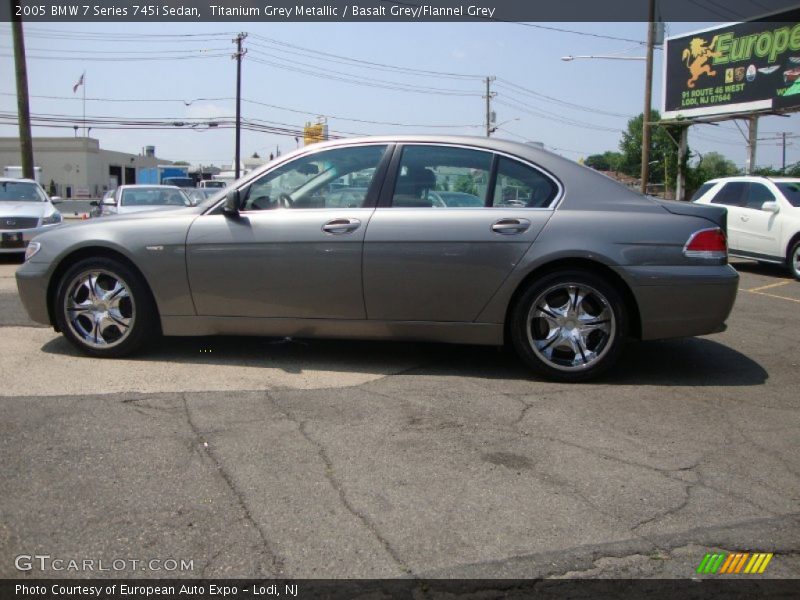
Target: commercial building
78,167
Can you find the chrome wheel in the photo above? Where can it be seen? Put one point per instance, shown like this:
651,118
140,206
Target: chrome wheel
99,308
570,326
795,261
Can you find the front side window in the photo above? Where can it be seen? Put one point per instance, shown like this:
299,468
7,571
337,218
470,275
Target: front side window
442,177
519,185
757,194
336,178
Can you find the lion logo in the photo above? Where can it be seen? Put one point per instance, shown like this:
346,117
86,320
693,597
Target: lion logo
701,54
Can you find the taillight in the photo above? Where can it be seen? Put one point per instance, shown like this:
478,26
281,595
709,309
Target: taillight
707,243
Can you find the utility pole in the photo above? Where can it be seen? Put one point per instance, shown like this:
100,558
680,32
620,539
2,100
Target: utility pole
752,136
23,108
648,96
238,56
489,96
783,162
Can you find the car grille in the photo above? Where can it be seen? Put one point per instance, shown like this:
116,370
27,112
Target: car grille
18,222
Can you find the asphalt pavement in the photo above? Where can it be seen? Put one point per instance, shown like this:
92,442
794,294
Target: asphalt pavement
265,457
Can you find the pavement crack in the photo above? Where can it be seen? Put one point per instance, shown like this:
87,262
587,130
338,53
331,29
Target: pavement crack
275,562
334,482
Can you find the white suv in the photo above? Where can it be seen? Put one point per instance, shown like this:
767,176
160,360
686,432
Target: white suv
763,217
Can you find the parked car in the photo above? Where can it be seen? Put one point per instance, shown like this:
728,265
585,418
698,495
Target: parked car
565,278
198,195
212,183
139,198
763,217
25,211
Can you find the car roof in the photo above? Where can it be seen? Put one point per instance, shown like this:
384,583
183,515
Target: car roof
752,178
148,185
17,180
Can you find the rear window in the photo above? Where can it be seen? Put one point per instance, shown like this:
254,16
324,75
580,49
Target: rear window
702,190
790,191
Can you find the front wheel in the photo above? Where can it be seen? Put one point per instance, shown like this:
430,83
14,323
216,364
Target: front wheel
794,260
104,308
569,326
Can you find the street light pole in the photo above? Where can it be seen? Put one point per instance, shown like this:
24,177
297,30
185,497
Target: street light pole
648,96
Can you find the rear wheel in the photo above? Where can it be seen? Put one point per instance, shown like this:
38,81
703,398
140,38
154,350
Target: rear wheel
794,260
569,326
104,308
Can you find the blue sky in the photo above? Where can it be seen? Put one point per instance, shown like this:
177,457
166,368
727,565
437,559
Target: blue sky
518,55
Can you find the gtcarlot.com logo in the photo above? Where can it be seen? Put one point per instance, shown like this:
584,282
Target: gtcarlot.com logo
45,562
735,563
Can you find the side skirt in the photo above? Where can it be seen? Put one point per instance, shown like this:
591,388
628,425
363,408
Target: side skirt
488,334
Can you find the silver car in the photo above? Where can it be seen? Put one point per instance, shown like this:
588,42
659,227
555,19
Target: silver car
25,211
139,198
569,270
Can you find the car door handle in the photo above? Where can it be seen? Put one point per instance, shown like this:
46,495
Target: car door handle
339,226
744,218
511,226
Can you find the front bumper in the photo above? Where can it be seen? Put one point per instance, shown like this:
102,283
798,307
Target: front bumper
682,301
32,281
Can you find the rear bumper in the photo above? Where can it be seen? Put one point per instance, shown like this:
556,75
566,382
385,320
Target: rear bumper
682,301
32,279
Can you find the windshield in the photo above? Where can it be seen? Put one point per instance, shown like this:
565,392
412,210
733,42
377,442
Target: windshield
153,197
21,191
790,191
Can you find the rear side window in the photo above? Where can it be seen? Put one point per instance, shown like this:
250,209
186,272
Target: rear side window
702,190
442,177
519,185
731,194
790,191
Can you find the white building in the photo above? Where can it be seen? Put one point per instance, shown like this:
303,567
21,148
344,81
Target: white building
77,166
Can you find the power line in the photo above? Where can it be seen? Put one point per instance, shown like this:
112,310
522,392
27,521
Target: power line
374,83
95,58
259,103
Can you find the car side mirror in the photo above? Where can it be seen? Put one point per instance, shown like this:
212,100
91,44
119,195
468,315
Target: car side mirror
232,202
94,203
770,206
56,200
109,202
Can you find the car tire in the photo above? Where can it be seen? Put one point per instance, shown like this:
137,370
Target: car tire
793,260
569,326
104,308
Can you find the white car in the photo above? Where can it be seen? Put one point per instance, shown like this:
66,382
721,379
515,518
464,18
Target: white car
25,211
763,217
139,198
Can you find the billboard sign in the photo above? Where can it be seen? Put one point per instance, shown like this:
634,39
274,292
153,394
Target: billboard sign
734,68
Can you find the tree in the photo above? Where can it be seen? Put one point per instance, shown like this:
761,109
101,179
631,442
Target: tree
663,149
607,161
714,164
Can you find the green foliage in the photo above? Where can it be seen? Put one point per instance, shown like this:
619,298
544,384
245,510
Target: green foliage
663,149
714,164
607,161
465,184
52,188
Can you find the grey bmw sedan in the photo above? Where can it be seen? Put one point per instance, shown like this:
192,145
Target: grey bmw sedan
555,259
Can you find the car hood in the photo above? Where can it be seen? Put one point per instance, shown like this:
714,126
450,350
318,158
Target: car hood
25,209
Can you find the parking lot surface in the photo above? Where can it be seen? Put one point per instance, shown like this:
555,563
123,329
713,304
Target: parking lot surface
262,457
